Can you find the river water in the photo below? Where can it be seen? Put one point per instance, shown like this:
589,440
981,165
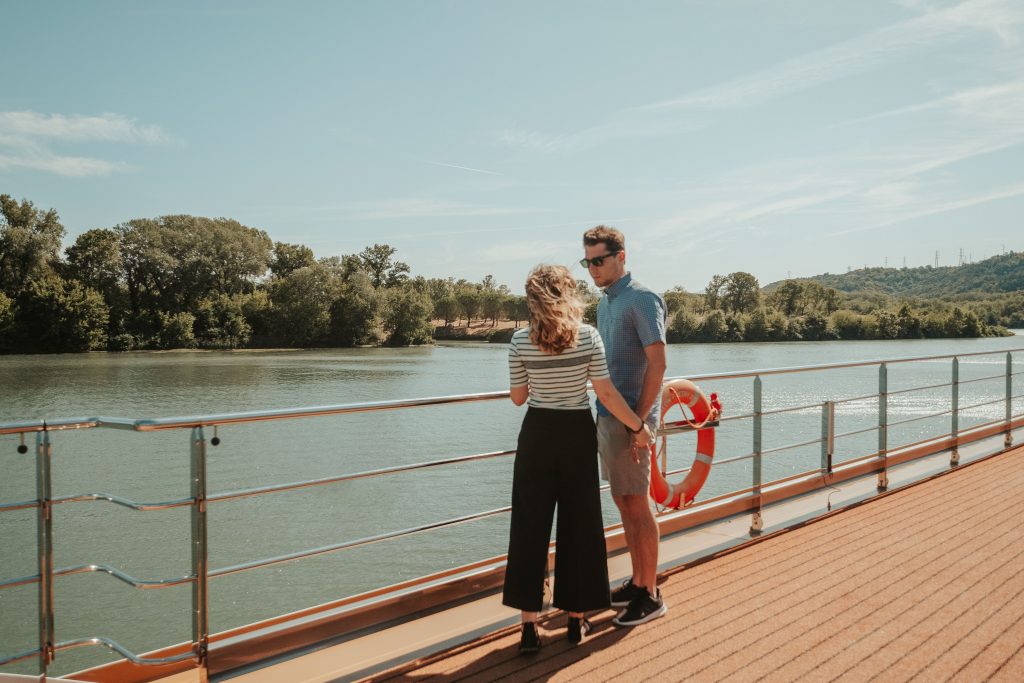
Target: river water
153,467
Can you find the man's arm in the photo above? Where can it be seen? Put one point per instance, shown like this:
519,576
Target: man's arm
653,378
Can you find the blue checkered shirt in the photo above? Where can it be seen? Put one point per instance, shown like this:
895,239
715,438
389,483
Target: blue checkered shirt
629,318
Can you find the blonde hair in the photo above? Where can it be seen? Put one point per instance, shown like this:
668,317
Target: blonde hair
555,308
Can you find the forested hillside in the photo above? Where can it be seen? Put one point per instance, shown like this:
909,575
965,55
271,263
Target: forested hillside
999,274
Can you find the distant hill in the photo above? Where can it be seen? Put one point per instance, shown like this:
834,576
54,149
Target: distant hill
999,274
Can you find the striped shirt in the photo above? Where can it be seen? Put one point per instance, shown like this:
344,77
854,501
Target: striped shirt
557,380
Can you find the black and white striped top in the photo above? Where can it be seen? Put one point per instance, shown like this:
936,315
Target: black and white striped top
557,380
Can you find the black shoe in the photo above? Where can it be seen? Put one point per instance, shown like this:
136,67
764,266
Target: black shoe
578,628
626,593
643,609
529,641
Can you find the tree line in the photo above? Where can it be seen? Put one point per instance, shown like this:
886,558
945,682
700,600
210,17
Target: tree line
191,282
734,308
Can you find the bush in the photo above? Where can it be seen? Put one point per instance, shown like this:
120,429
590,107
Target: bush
684,327
177,331
407,317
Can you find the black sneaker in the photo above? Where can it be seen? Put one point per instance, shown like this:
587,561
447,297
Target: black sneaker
529,641
643,609
578,628
626,593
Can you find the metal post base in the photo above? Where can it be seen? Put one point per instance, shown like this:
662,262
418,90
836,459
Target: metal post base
883,481
756,524
954,458
1008,441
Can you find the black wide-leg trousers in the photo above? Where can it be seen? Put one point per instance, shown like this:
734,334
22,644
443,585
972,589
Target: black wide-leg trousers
556,464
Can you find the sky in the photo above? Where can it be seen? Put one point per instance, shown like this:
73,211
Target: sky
783,138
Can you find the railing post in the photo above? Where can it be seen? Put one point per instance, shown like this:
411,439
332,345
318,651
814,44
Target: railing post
1008,440
756,521
883,429
44,545
200,604
954,454
828,435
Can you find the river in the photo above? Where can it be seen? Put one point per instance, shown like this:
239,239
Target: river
154,467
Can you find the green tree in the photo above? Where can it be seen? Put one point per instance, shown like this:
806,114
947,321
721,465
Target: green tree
713,293
354,319
756,329
676,300
517,309
53,315
788,297
492,303
741,292
302,305
683,328
470,301
6,323
384,271
289,258
177,331
407,317
30,242
447,308
714,328
220,322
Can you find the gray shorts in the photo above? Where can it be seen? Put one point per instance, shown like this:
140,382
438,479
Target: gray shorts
614,444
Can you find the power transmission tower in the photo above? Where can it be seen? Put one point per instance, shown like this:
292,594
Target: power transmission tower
936,258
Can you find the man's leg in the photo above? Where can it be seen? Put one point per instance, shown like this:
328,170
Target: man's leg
641,533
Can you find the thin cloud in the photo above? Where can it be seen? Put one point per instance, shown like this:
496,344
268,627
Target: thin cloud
414,207
106,127
932,208
854,56
62,165
462,168
26,138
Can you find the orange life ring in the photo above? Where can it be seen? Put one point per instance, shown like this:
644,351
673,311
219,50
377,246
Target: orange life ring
684,392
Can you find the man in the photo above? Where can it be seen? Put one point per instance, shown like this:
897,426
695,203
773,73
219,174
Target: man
631,320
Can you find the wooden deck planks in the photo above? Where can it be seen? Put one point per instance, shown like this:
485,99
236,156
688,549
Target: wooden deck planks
925,584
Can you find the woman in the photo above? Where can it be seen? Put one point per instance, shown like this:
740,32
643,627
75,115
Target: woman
550,362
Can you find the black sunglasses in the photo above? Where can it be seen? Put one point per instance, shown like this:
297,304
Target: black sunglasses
597,260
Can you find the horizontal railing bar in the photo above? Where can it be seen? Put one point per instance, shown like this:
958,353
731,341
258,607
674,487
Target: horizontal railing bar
119,649
274,488
680,426
143,584
11,659
20,581
1001,399
316,411
924,388
790,446
124,502
836,366
983,379
872,428
928,416
29,426
23,505
302,554
854,399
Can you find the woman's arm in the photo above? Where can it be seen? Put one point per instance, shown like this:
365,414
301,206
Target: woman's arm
519,394
617,406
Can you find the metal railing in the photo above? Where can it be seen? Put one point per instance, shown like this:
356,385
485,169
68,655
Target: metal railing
200,498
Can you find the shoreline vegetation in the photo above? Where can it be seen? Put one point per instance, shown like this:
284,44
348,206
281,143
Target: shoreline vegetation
187,282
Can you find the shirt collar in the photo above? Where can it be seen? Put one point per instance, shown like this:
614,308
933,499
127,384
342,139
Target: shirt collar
619,286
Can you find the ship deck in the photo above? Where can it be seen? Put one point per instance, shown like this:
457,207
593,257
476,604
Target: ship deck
923,583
